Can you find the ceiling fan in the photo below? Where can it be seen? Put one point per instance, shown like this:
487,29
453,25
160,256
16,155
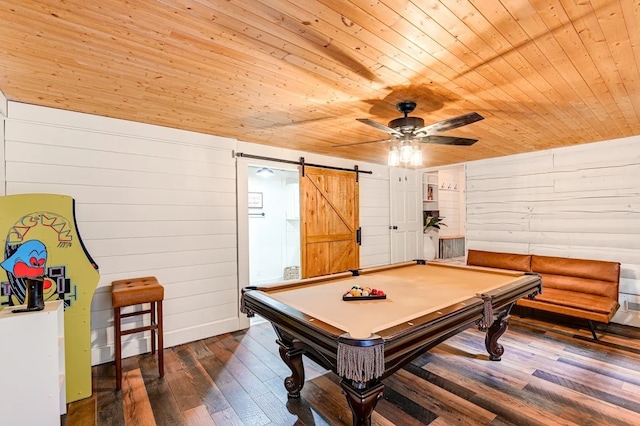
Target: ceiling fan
407,129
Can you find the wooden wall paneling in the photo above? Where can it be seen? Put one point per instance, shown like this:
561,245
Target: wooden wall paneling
84,157
116,131
165,213
158,244
3,115
148,229
93,176
579,202
146,180
628,279
451,201
130,260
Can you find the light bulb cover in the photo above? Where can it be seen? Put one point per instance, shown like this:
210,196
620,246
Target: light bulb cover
416,157
405,152
394,158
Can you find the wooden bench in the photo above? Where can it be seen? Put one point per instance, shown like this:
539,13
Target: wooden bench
579,288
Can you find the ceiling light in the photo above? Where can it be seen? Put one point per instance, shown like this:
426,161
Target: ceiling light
405,151
265,172
394,157
416,156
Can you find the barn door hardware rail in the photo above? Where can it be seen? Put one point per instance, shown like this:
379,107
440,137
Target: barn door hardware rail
302,164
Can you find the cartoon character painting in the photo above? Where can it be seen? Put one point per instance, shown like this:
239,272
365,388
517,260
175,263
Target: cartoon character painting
42,242
27,261
27,258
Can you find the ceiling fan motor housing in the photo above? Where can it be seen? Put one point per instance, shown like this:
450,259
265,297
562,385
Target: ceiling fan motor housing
406,124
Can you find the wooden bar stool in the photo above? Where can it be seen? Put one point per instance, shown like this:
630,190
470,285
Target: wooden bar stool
136,291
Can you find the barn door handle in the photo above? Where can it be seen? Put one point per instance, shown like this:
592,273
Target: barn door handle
359,236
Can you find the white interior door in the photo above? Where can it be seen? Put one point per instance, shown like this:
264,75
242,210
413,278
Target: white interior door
406,215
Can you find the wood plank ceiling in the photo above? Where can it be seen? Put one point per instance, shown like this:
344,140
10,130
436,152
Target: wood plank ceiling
297,74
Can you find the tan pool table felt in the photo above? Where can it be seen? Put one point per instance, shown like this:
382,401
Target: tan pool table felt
412,291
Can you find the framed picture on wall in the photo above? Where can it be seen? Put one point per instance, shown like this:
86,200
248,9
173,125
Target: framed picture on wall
255,200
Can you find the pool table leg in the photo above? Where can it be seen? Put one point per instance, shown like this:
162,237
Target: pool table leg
293,358
362,402
494,332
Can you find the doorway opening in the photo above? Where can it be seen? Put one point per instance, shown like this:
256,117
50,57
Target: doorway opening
274,224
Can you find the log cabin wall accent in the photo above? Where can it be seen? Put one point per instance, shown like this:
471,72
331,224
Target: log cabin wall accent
579,202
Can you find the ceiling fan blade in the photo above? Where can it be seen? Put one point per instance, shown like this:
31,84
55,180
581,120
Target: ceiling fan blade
379,126
362,143
447,140
449,124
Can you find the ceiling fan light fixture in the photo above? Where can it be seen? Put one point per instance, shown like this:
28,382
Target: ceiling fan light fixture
409,130
394,157
416,156
406,150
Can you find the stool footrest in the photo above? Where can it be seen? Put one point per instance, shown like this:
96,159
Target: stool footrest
139,329
133,314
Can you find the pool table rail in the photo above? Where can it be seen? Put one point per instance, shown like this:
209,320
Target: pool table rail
301,334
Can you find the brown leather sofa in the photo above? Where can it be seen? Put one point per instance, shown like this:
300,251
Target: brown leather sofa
579,288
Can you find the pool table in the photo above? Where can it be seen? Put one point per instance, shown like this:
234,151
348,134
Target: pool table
364,341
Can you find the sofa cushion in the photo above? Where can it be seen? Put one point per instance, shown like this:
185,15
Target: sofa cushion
491,259
578,300
594,277
580,285
562,302
591,269
567,310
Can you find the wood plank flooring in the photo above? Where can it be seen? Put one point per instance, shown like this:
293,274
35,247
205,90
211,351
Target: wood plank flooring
552,373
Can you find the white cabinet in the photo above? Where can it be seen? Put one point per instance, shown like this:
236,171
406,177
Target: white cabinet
32,389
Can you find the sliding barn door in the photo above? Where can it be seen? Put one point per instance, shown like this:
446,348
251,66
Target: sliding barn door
329,221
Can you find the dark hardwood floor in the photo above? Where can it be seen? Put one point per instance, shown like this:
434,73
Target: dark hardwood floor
552,373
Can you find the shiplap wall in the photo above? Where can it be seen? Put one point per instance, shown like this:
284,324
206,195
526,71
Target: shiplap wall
149,201
164,202
577,202
3,115
451,201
